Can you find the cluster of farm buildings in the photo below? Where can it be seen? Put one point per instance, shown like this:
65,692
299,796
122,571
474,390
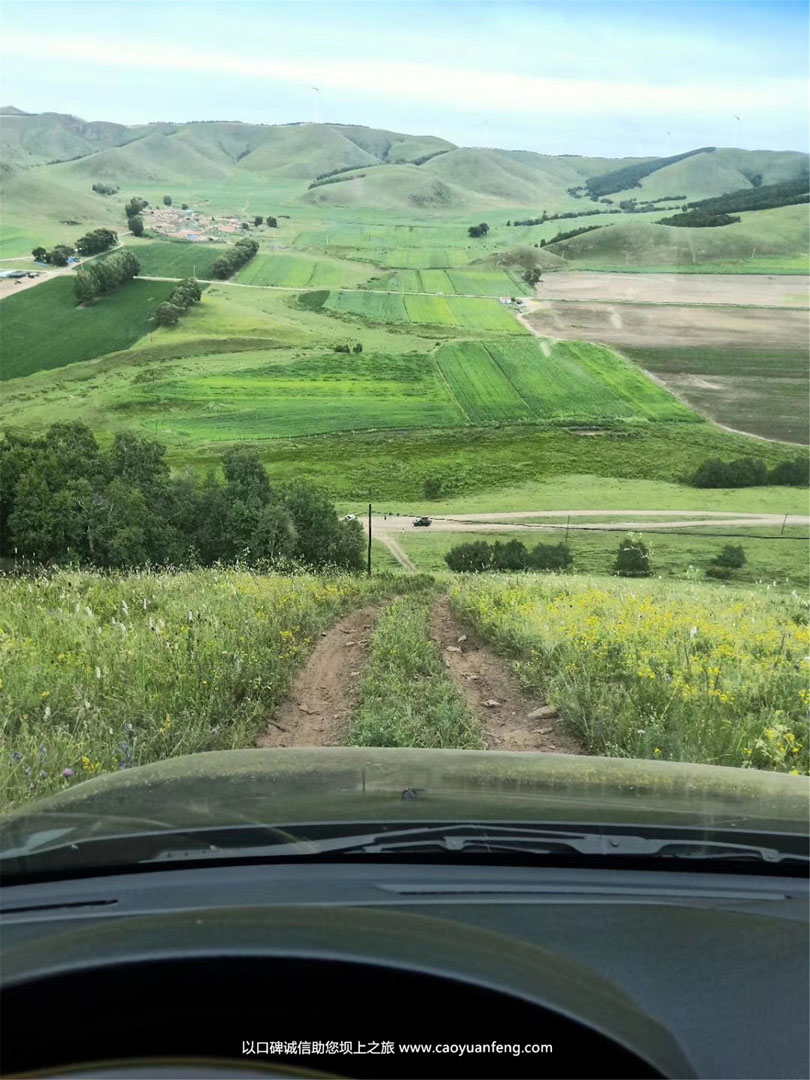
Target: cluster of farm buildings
189,224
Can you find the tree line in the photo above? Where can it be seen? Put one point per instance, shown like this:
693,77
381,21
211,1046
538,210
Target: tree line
478,230
699,219
630,176
787,193
186,293
234,258
750,472
105,276
65,500
104,189
572,232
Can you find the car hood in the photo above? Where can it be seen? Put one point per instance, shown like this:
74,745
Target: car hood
293,787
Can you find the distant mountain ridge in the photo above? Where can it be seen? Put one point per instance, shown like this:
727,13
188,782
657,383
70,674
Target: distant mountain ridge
351,165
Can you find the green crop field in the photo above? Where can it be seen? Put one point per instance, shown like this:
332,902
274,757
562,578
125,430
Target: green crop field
169,258
457,311
43,327
301,271
449,282
564,382
479,385
429,258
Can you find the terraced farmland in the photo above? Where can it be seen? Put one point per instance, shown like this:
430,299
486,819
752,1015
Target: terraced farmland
427,258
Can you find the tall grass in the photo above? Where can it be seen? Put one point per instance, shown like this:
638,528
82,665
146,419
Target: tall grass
104,672
687,672
407,696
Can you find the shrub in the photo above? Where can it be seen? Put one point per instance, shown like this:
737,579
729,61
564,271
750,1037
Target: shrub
743,472
792,473
470,558
732,556
168,314
550,557
632,559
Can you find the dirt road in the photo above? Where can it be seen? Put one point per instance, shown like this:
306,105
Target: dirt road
382,528
319,708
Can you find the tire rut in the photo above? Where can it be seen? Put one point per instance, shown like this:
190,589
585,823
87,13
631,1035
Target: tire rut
483,678
319,708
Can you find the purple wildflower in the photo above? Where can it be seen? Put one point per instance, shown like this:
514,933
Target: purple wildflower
68,773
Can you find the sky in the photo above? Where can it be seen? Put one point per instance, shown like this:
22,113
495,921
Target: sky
636,77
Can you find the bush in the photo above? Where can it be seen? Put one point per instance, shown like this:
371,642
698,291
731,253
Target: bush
470,558
167,200
135,224
135,205
731,556
313,301
792,473
550,557
632,559
743,472
168,314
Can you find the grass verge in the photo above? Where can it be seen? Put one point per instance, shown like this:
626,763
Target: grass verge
102,672
686,674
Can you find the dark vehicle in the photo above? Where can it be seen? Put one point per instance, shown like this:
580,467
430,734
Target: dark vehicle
422,521
513,915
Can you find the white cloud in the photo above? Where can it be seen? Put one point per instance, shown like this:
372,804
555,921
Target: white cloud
445,87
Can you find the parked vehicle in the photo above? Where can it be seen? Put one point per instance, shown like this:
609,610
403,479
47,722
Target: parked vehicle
422,521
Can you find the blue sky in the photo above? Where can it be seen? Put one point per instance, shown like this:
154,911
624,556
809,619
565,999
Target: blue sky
597,77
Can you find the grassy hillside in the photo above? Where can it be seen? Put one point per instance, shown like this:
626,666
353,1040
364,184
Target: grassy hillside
780,236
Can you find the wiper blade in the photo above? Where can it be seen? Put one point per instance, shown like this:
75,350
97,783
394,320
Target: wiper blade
472,838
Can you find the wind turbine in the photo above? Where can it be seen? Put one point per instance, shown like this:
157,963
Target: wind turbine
738,119
317,104
669,144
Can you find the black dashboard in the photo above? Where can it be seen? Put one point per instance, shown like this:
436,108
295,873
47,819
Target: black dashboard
404,970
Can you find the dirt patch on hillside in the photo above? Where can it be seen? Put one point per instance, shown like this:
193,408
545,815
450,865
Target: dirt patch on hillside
319,708
492,693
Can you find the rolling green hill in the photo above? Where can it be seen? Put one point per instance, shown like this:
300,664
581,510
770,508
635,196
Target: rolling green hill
761,235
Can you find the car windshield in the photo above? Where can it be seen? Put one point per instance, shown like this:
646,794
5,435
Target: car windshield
404,430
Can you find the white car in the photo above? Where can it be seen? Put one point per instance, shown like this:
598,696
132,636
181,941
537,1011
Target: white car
350,517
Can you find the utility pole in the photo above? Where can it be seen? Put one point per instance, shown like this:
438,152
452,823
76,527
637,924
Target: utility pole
369,539
784,523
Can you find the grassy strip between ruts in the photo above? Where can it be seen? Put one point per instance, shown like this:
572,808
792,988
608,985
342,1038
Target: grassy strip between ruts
407,697
685,674
102,672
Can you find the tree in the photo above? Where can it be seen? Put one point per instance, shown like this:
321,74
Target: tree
168,314
632,559
184,206
271,221
316,523
86,285
358,347
60,255
244,225
532,275
135,224
167,200
39,254
97,240
134,206
257,221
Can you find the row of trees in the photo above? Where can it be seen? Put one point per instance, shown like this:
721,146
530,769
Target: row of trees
630,176
132,210
186,293
571,232
699,219
64,500
235,258
786,193
104,189
97,240
58,256
270,221
751,472
105,276
632,558
511,556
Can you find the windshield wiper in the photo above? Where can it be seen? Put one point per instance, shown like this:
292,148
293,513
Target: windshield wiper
472,838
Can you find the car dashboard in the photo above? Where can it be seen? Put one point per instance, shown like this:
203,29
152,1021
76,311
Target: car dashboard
392,969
